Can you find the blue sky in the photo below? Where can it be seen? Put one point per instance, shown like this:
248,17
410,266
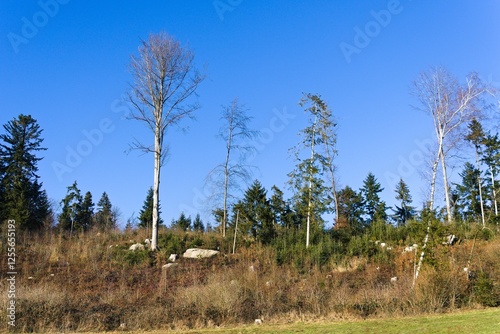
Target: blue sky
65,63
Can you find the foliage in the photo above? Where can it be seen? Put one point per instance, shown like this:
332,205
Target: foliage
21,195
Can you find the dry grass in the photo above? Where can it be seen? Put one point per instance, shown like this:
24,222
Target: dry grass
91,282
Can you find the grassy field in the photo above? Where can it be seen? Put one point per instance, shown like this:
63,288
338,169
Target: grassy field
473,322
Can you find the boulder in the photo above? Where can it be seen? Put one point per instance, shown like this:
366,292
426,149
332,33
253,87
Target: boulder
198,253
137,246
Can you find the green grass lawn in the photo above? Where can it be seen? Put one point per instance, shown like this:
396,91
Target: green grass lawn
471,322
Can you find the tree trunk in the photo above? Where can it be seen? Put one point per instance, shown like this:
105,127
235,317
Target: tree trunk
494,191
446,187
433,182
309,204
480,188
156,189
226,182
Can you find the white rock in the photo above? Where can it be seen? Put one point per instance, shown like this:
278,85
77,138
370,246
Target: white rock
198,253
382,244
169,265
137,246
258,321
394,279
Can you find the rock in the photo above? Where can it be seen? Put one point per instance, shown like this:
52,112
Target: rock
409,249
173,257
198,253
137,246
394,279
258,321
451,239
169,265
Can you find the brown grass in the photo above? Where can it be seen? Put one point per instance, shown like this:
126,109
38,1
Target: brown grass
91,282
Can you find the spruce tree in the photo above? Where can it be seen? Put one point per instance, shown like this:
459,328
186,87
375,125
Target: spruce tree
21,194
146,213
70,216
105,217
198,225
183,223
86,214
467,194
404,212
350,210
255,215
373,206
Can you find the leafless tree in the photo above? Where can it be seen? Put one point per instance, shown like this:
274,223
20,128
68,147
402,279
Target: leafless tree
237,135
452,106
164,79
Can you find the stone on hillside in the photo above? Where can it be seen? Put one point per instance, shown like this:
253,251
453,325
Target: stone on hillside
169,265
137,246
198,253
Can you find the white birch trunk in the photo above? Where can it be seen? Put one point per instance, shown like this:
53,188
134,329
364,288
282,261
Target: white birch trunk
156,190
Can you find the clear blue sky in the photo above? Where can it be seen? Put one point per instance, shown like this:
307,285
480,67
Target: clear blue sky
65,63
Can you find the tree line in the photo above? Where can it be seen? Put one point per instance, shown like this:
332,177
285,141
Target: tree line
165,79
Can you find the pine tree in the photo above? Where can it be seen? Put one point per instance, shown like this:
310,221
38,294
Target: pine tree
21,194
491,157
311,196
70,217
350,210
476,137
146,213
86,214
183,223
255,214
467,194
373,206
198,225
404,212
105,216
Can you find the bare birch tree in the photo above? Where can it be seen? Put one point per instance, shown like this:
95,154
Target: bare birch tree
452,106
164,79
237,135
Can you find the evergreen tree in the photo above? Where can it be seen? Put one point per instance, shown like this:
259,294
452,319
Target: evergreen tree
350,210
146,213
467,194
198,225
314,156
491,157
255,215
70,217
21,194
86,214
476,137
282,213
404,212
105,216
373,206
183,223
